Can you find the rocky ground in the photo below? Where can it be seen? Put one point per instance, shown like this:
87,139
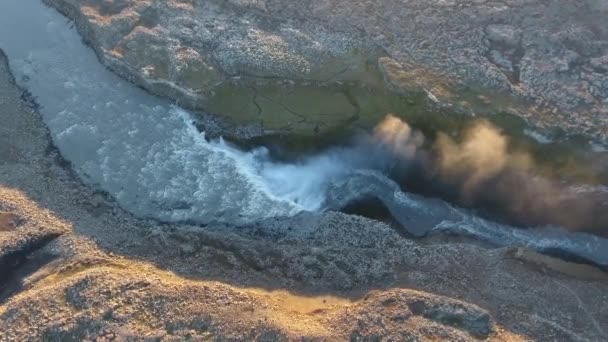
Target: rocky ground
75,266
262,61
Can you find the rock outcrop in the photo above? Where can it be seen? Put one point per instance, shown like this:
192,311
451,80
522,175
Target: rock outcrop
308,67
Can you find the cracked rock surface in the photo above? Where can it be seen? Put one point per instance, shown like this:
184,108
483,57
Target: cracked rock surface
547,58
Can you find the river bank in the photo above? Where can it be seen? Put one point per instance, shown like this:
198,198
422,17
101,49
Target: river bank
271,56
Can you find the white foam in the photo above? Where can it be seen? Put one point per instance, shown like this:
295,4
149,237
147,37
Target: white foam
537,136
597,147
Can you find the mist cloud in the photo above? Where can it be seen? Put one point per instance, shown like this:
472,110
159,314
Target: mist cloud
398,136
487,173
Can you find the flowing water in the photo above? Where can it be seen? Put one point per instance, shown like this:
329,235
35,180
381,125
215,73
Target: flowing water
150,157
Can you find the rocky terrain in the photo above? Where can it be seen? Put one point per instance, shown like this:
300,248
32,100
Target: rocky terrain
75,266
314,66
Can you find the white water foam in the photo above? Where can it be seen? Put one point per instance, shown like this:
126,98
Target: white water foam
537,136
151,158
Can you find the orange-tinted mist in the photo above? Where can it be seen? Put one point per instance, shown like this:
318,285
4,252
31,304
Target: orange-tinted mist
485,171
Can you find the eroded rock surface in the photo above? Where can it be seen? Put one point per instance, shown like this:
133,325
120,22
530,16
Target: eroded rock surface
228,57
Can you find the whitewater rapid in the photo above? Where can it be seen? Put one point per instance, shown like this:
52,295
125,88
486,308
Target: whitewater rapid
151,158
